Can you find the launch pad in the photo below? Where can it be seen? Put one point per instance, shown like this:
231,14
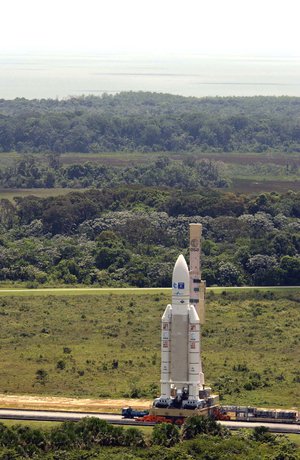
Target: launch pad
176,407
183,390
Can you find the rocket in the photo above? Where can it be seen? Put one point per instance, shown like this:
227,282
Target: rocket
182,378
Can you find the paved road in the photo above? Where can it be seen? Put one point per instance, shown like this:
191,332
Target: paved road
273,427
61,416
57,416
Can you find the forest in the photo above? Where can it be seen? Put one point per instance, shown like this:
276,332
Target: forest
131,236
92,438
130,222
149,122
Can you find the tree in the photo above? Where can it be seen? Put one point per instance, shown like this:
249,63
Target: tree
54,161
264,270
228,274
165,434
290,270
8,216
30,440
111,251
262,434
202,425
134,438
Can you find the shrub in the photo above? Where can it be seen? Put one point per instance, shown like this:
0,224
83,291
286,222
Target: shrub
202,425
60,365
165,434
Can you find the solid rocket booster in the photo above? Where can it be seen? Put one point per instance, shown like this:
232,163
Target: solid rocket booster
181,368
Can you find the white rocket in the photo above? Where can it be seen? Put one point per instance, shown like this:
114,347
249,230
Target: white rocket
181,370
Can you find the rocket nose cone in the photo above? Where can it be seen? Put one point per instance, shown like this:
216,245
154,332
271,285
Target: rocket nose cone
180,280
181,264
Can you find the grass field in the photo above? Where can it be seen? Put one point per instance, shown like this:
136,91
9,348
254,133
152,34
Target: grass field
10,193
147,430
19,290
127,158
78,291
33,424
247,172
240,185
257,185
8,158
108,345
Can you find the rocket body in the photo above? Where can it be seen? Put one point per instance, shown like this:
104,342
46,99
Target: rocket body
181,369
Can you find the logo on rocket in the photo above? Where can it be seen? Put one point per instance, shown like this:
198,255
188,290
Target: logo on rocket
179,285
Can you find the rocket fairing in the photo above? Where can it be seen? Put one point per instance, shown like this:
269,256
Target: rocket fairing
181,369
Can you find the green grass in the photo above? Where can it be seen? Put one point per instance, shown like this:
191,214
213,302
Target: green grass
294,438
238,158
31,423
8,159
10,194
110,158
250,340
23,292
20,290
247,185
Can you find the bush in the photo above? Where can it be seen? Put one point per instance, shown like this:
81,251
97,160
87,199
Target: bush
60,365
202,425
165,434
134,438
262,434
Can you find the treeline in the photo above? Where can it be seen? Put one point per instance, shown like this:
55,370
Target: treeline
89,438
190,173
132,236
145,103
149,122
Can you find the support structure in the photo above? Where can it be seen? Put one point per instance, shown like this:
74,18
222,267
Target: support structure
197,285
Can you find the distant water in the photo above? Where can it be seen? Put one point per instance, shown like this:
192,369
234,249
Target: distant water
61,77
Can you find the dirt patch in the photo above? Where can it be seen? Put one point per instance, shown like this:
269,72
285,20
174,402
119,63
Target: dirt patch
124,159
114,160
248,159
250,186
74,404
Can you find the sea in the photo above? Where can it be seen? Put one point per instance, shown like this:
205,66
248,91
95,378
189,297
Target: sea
64,76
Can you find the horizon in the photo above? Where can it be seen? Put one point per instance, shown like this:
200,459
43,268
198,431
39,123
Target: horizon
58,76
200,49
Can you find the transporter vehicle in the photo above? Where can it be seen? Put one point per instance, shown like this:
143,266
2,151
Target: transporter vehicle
128,412
177,415
175,412
257,414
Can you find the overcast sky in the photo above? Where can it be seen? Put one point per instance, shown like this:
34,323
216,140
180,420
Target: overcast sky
206,27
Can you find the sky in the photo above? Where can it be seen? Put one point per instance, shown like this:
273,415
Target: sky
145,27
